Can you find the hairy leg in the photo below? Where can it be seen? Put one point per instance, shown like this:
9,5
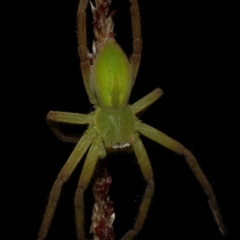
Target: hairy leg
146,101
54,118
137,39
62,177
87,173
146,169
178,148
83,50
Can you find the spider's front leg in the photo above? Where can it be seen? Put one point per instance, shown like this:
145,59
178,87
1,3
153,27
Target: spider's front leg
178,148
84,180
63,176
146,169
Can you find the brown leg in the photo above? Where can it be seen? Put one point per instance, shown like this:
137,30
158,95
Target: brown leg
83,51
137,39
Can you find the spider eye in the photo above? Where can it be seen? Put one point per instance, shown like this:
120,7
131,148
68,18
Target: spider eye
120,145
127,144
115,145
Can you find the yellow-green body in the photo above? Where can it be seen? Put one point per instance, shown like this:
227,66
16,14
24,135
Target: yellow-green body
113,125
116,127
112,76
111,81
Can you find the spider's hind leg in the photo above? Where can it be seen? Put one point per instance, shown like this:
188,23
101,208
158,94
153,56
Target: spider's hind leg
137,39
83,50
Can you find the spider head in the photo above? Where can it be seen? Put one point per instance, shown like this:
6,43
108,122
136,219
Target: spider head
116,127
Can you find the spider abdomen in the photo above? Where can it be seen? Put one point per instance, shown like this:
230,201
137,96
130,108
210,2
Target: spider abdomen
112,76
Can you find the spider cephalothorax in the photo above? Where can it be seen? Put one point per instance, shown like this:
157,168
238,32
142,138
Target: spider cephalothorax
116,127
108,78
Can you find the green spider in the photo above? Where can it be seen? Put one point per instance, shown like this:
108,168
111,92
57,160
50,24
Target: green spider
113,125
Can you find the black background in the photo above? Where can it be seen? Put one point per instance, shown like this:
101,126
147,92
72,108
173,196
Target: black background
184,52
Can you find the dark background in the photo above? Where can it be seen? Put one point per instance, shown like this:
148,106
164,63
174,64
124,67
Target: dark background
184,53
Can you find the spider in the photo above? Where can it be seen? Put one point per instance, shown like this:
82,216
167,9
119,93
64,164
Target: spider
113,125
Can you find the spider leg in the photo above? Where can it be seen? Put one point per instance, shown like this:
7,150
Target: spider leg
137,39
62,177
175,146
146,101
53,118
146,169
87,172
83,51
